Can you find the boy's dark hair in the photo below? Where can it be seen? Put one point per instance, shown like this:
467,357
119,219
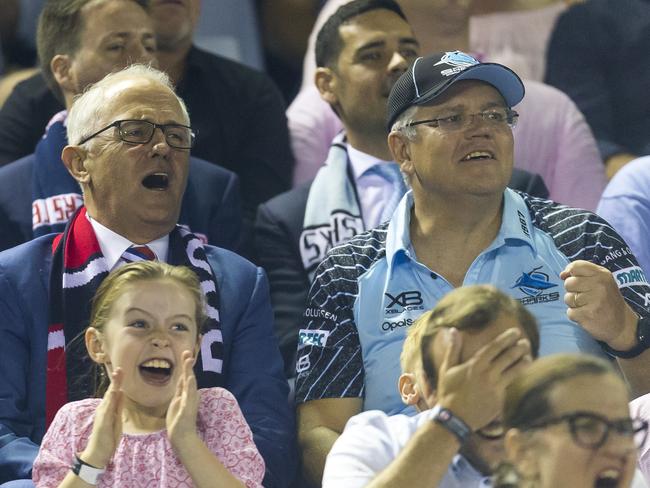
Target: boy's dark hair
329,42
59,31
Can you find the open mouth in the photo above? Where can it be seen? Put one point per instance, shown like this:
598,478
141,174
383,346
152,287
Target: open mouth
156,181
156,372
608,478
478,155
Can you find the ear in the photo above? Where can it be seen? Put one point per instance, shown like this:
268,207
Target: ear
95,345
326,84
60,66
400,148
519,452
74,158
408,388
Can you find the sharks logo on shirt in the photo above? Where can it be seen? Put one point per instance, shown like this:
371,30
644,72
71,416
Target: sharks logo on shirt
534,284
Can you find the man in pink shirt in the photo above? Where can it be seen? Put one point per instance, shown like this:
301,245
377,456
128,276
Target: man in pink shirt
552,138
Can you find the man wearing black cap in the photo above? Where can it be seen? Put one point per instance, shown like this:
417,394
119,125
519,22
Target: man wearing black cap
450,118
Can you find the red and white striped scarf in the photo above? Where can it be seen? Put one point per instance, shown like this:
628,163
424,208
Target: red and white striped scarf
78,267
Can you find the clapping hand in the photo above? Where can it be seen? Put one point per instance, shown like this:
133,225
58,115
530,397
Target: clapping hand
182,411
107,426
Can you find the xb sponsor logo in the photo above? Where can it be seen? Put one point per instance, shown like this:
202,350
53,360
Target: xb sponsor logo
406,300
534,284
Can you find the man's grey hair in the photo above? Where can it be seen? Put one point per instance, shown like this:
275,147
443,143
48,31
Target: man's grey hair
86,116
403,121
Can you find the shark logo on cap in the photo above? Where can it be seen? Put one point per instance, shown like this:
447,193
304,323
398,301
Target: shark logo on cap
458,60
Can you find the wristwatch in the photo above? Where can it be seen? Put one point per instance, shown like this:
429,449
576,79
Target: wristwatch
88,473
642,341
449,421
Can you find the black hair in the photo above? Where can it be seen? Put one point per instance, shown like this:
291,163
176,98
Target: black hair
329,42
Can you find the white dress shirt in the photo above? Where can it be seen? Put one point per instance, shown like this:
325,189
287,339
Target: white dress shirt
113,245
372,440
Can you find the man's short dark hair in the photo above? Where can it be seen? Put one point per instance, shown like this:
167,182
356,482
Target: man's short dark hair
59,32
329,42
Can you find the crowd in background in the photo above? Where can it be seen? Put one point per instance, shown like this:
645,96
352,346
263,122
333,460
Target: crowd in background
300,195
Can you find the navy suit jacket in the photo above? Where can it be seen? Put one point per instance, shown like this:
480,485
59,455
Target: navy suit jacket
252,366
211,204
277,236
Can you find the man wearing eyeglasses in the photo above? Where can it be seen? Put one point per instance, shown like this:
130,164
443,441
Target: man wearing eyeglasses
130,137
450,118
81,41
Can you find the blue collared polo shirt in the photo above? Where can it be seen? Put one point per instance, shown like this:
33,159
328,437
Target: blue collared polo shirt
368,292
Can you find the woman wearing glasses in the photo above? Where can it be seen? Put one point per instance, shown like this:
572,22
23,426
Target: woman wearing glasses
569,426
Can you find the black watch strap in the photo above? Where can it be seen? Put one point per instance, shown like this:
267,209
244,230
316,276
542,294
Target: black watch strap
451,422
90,474
642,341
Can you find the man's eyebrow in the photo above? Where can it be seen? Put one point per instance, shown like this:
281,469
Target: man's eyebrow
457,107
461,107
371,45
127,34
409,40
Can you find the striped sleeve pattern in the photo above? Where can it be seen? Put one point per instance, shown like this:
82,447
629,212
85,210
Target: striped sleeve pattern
583,235
329,353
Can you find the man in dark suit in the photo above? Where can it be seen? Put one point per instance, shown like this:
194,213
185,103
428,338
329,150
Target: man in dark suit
130,137
360,51
37,194
238,112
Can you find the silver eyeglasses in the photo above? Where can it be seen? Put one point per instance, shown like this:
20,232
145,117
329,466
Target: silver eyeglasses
141,132
496,117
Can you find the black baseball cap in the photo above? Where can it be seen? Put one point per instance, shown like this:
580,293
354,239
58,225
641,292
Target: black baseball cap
430,76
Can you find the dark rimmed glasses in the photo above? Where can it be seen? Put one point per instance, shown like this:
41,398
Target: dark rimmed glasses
496,117
141,132
591,431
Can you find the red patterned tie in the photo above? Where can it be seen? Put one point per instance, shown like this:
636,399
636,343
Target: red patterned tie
138,253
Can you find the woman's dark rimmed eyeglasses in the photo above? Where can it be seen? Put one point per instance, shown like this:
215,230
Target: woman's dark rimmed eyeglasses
141,132
498,117
591,431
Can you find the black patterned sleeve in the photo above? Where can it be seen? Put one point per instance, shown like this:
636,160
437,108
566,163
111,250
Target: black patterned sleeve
583,235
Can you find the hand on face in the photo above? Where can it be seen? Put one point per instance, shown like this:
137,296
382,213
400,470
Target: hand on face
107,426
474,390
182,411
596,303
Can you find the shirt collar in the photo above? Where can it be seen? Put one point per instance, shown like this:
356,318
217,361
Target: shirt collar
113,245
362,162
398,238
515,224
